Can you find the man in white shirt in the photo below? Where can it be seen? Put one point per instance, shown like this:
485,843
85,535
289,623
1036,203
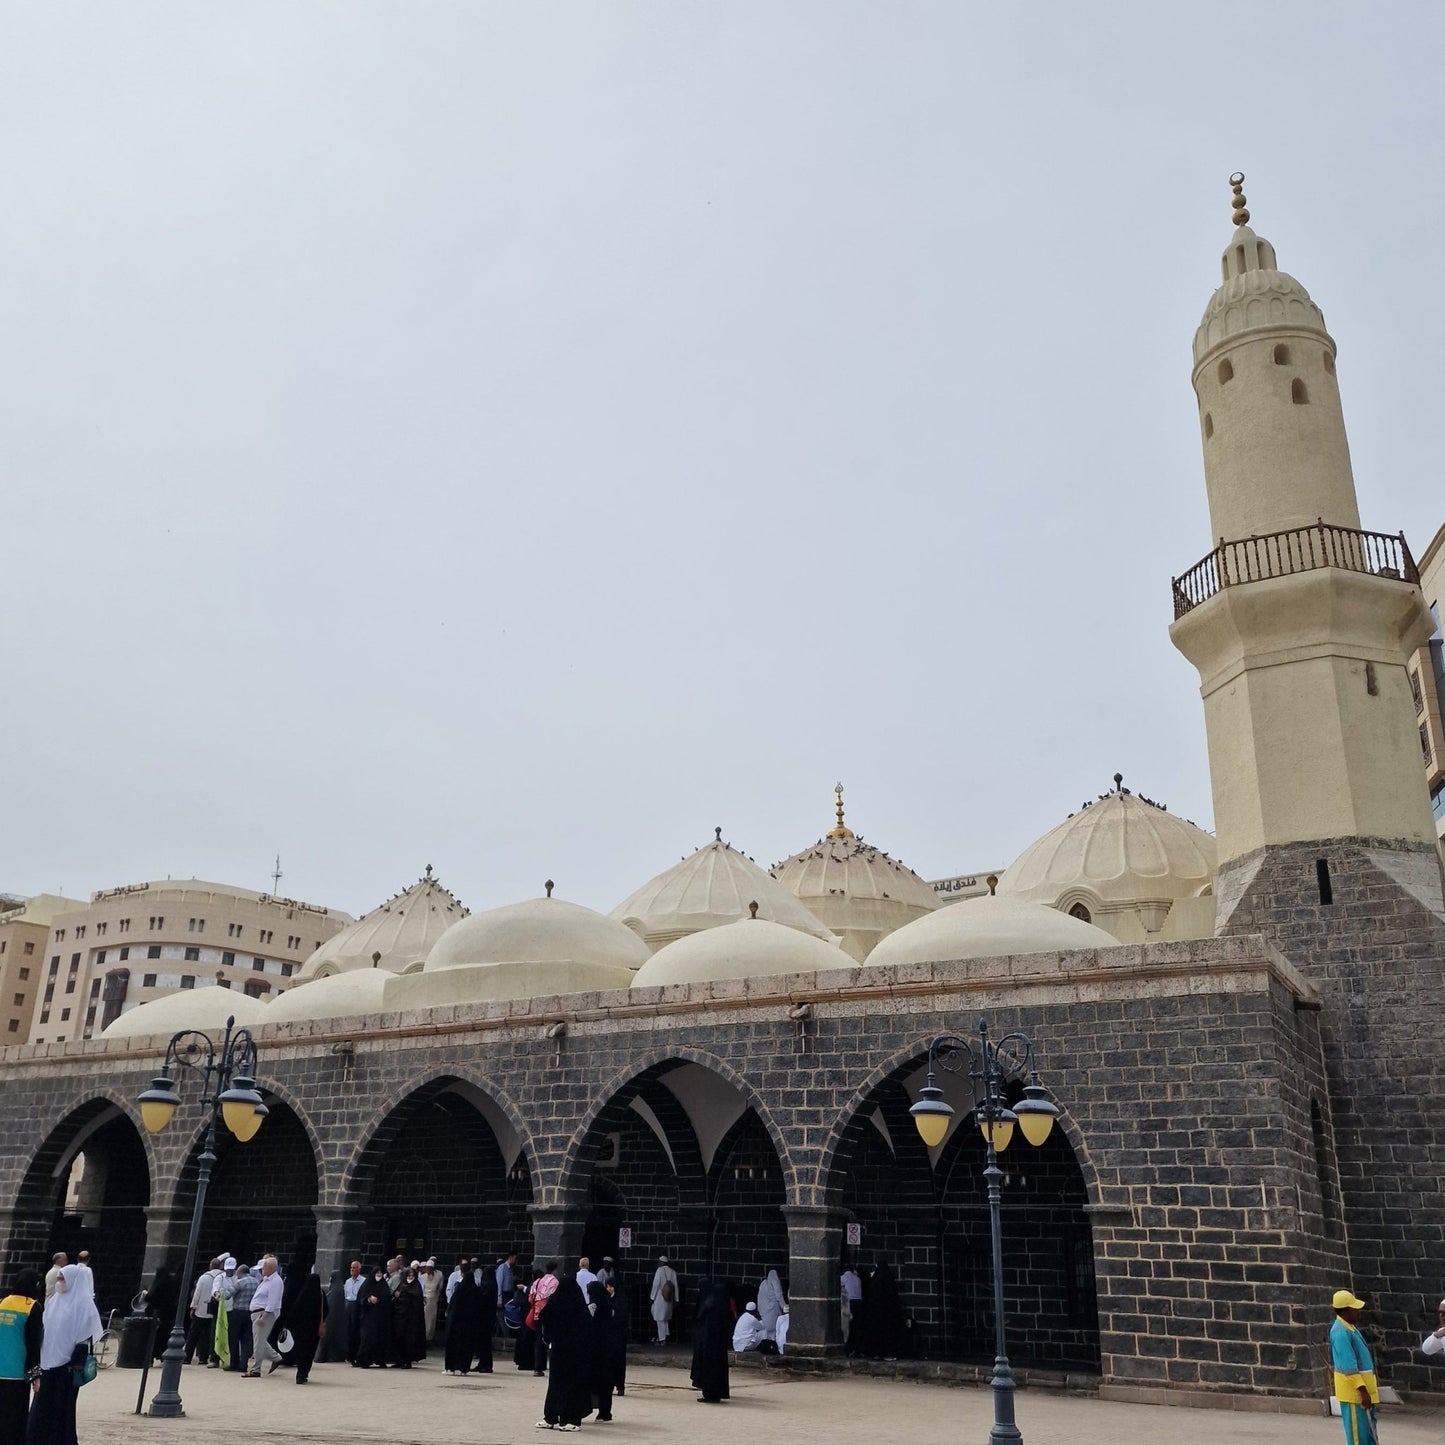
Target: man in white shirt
200,1338
1434,1342
430,1279
265,1306
584,1274
355,1281
52,1275
748,1332
852,1285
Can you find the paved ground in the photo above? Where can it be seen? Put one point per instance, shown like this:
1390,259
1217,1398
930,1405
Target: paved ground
425,1407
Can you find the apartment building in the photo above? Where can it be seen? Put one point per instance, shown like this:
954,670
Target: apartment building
131,944
24,927
1427,681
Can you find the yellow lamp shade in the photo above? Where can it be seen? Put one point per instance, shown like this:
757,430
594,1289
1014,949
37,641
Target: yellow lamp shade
1003,1132
1036,1127
241,1118
158,1104
155,1115
931,1115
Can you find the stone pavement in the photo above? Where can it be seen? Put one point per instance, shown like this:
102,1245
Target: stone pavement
425,1407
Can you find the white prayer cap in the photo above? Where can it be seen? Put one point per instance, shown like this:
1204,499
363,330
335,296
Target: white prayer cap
751,1305
229,1262
662,1259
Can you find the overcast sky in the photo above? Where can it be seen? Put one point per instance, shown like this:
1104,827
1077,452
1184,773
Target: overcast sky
519,438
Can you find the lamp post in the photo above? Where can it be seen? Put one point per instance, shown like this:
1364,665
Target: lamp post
228,1093
985,1062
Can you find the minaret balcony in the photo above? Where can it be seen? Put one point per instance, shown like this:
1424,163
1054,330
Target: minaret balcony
1301,549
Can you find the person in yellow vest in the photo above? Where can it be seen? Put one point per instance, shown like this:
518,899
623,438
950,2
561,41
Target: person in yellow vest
1355,1386
20,1313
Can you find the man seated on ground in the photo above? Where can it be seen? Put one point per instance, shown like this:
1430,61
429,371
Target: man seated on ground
748,1332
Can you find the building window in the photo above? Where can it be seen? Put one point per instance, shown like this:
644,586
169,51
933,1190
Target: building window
154,951
60,935
265,935
90,1017
1416,693
124,954
29,949
1299,393
100,957
1425,742
287,969
54,964
125,925
70,985
256,989
19,1000
49,992
100,928
1330,362
188,981
45,1019
258,965
3,945
1281,355
80,932
1437,806
193,955
14,1026
228,959
65,1015
1081,912
148,980
24,974
94,987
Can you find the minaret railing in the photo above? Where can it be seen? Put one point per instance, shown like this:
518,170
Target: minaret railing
1299,549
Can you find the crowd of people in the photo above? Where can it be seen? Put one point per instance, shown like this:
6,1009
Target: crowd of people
567,1325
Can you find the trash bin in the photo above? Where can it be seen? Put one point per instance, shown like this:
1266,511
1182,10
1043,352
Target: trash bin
137,1332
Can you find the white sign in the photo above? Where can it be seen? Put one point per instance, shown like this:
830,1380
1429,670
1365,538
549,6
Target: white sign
624,1239
855,1234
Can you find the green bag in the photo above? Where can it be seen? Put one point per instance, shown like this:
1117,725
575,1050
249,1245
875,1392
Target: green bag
83,1368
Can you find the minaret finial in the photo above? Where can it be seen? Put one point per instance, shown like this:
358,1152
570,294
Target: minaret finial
1241,216
840,829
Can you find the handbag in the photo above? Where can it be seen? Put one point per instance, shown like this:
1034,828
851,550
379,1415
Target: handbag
83,1368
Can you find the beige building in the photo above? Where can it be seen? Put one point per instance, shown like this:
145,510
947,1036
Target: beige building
1427,681
24,927
145,941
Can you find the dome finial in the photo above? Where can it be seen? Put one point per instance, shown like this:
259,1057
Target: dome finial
753,909
840,829
1241,216
549,886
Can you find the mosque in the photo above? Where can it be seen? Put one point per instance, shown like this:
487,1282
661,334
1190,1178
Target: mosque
1241,1030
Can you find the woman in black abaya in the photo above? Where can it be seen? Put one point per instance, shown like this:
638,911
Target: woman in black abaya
464,1322
303,1309
599,1302
487,1304
617,1333
885,1325
373,1322
712,1338
566,1327
409,1322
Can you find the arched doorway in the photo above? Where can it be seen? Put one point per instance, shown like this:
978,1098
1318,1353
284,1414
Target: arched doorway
88,1188
680,1160
925,1214
262,1194
444,1174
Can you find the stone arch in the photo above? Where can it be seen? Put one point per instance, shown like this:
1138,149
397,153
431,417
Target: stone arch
351,1173
902,1062
182,1181
445,1167
925,1214
115,1192
567,1188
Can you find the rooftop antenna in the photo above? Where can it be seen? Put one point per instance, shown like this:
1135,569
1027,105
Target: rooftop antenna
276,875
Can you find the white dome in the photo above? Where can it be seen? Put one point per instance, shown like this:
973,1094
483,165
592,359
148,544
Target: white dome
709,888
402,930
538,931
206,1009
341,995
987,928
855,889
752,948
1119,850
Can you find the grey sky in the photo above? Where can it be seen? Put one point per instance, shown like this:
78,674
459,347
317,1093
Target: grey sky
518,438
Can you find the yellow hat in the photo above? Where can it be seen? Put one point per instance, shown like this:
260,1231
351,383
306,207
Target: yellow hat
1344,1300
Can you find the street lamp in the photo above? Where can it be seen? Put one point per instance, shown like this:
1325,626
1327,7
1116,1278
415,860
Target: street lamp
1034,1114
228,1091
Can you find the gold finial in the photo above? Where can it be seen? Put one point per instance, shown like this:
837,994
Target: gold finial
549,886
992,881
1241,216
840,830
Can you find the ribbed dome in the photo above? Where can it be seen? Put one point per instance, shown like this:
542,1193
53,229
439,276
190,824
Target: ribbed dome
709,888
1119,850
538,931
752,948
206,1009
340,995
1254,293
987,928
855,889
402,930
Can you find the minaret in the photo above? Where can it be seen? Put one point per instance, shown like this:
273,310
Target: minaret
1298,622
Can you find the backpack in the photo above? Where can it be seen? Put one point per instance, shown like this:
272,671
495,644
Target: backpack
668,1291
